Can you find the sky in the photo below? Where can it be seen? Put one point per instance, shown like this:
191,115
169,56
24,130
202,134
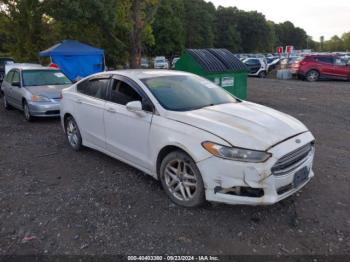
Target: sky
317,17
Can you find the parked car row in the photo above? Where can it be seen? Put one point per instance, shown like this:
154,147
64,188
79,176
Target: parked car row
200,141
310,66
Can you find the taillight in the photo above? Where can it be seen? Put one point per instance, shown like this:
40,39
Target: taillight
61,95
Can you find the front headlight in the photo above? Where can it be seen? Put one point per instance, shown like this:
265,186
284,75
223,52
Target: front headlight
235,153
40,99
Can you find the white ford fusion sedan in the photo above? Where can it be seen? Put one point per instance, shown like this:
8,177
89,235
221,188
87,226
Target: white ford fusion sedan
201,142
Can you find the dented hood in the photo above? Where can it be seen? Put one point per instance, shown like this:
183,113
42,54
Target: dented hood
243,124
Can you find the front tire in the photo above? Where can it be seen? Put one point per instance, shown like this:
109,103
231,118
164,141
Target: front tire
26,111
262,74
73,134
312,76
181,180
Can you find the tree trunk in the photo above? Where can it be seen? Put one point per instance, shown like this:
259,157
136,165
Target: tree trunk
136,34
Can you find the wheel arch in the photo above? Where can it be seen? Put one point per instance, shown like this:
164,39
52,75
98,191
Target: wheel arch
313,69
167,150
24,101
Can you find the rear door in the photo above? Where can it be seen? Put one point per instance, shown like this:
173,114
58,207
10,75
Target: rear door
127,133
89,107
326,66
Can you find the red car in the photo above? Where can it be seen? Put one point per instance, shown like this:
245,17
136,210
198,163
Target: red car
315,67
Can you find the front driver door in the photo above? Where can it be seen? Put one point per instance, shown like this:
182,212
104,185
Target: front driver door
127,133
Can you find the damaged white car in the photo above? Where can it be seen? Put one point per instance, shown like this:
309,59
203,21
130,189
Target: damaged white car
200,141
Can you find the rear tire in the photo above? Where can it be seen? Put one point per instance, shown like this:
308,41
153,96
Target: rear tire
26,111
312,76
181,180
73,134
7,106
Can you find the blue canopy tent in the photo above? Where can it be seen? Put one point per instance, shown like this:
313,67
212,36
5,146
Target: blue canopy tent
75,59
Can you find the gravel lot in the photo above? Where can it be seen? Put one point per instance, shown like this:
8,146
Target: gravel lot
56,201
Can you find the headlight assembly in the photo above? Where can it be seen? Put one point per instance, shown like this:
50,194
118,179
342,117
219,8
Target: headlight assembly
40,99
235,153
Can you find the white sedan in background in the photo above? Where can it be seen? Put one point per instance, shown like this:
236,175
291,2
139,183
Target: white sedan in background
160,62
200,141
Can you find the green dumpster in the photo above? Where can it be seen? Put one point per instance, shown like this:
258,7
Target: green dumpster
217,65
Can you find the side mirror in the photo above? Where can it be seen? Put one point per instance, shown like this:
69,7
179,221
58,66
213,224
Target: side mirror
134,106
18,84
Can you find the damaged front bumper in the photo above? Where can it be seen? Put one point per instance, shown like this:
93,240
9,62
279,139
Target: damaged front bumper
234,182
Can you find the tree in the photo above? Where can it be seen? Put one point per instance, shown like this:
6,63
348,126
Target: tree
199,23
168,28
288,34
334,44
4,22
23,28
226,33
100,23
142,13
255,31
346,40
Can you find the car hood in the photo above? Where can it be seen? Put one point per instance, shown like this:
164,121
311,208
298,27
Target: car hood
49,91
243,124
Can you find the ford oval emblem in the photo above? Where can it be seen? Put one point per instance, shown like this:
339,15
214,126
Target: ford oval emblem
298,141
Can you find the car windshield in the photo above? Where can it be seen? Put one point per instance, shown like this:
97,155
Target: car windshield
185,93
44,77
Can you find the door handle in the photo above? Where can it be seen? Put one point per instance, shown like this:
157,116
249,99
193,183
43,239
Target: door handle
111,110
78,101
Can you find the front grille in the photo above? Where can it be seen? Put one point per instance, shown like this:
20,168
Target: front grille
52,112
292,160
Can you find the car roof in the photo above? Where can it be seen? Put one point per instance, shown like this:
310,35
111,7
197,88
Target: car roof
146,73
23,66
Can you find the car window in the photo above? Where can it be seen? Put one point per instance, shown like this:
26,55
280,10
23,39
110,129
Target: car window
122,93
15,77
328,60
9,76
339,62
95,87
251,62
255,62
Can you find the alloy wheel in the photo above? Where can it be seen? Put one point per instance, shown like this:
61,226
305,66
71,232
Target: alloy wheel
312,76
181,180
72,133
